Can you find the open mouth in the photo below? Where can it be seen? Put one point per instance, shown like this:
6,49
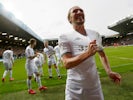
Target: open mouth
79,17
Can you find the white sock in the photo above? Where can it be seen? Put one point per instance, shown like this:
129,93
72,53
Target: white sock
38,80
58,63
34,75
57,71
50,71
29,83
5,73
10,72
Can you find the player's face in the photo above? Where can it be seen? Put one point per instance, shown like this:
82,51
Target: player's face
34,44
46,44
77,16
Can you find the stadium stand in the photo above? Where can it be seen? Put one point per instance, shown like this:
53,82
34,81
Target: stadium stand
125,29
52,41
15,33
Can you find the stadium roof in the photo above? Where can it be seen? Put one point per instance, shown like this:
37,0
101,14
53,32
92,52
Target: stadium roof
14,30
123,26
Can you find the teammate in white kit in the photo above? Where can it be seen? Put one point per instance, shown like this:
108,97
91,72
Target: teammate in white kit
49,53
31,68
58,56
8,61
39,61
78,49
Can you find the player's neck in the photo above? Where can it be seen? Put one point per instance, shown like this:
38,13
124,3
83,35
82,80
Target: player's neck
46,46
80,29
31,46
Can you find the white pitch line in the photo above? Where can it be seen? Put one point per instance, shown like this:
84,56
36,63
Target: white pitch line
122,58
122,65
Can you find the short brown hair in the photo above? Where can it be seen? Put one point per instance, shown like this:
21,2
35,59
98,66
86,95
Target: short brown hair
68,17
32,41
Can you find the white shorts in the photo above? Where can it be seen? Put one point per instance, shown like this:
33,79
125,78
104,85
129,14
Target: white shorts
31,68
38,64
8,65
76,93
51,61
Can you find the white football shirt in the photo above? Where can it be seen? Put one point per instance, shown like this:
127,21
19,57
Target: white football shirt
57,51
8,56
41,58
85,74
49,52
29,52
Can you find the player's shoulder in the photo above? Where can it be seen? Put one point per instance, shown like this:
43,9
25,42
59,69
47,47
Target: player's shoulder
50,46
5,51
56,47
44,49
27,47
92,31
9,51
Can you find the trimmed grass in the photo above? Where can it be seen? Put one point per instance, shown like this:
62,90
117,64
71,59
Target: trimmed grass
120,58
110,91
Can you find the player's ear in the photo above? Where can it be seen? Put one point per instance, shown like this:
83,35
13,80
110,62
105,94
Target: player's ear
70,19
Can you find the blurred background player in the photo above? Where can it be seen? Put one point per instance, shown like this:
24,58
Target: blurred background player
39,61
49,53
31,68
58,56
8,61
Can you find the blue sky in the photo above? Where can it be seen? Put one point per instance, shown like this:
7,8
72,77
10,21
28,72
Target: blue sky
48,18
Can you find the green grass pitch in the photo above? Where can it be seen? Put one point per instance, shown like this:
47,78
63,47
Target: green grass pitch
120,58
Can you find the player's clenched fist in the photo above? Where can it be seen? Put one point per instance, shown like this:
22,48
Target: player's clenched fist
116,77
92,48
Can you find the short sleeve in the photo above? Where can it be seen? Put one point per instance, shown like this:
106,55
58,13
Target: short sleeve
52,49
29,53
44,51
99,42
64,45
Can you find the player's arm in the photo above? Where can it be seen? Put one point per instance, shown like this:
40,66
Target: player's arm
70,61
113,75
12,58
30,56
105,61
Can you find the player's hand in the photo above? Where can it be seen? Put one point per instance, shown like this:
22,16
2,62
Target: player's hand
116,77
92,48
49,56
